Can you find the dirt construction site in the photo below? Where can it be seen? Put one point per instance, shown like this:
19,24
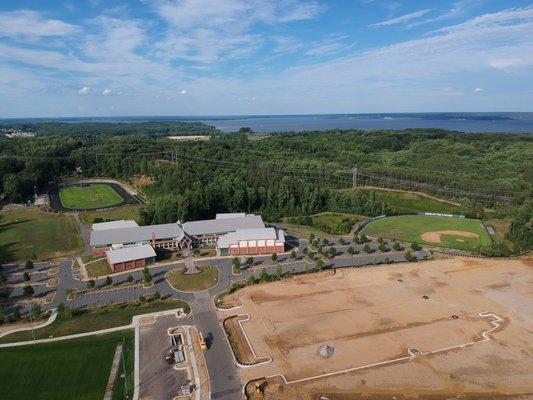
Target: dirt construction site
433,330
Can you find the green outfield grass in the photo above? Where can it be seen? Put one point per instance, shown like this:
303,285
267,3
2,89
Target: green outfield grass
34,234
66,370
95,195
411,227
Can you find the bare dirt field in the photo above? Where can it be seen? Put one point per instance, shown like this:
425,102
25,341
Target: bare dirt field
435,236
372,317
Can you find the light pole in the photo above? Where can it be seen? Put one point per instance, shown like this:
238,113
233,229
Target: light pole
31,322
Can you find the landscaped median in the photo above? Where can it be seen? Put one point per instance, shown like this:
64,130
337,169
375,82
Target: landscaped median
205,279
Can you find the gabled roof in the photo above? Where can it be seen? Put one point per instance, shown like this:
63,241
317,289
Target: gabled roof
135,234
125,254
223,225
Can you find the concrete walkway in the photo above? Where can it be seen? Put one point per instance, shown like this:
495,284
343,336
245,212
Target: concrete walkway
50,320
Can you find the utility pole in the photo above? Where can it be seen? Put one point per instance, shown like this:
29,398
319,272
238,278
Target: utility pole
354,177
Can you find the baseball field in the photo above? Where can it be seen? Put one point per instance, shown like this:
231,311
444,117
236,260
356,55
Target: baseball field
456,233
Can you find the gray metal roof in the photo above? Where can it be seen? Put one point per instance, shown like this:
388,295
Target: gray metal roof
135,234
132,253
223,225
229,215
251,234
114,225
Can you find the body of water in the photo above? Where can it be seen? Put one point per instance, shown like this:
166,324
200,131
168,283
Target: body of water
465,122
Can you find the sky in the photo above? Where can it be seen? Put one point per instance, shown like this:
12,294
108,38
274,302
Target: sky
237,57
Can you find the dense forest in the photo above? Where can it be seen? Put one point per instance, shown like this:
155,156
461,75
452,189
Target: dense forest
285,174
158,128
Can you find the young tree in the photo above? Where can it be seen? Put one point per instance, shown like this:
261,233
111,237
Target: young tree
356,239
108,281
319,264
279,272
305,250
157,295
252,279
415,246
91,283
29,264
236,263
387,260
3,279
367,249
293,255
332,251
364,239
264,277
147,276
311,238
28,291
249,262
26,276
382,248
408,256
15,316
351,251
342,241
36,311
380,240
397,246
274,257
325,241
130,278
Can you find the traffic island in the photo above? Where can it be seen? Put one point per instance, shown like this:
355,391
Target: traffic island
203,280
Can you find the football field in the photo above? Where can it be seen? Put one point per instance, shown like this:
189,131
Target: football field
89,196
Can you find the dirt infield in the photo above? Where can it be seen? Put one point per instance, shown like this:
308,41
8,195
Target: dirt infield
375,315
435,236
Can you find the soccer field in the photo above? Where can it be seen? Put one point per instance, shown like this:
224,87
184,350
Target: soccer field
456,233
70,369
96,195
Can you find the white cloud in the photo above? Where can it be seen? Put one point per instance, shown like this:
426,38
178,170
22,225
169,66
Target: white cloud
183,91
478,90
325,49
85,90
107,92
404,18
206,31
31,25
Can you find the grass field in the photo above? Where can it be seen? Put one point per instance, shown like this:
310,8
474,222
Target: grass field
98,268
412,228
35,234
96,319
71,369
404,202
193,283
332,223
89,196
125,212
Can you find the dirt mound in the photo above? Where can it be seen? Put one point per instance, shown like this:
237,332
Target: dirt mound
435,236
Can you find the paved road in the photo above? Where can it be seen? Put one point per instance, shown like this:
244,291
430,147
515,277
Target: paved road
223,373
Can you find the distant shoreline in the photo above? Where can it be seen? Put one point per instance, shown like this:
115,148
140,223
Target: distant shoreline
504,122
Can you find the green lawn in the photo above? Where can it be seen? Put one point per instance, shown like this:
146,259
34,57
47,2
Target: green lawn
119,390
95,195
332,223
35,234
71,369
193,283
406,202
124,212
96,319
411,227
98,268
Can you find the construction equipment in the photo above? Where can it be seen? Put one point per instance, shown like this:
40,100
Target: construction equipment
203,345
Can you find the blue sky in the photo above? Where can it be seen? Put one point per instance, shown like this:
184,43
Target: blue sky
219,57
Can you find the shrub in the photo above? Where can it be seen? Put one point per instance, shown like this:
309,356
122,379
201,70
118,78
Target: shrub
397,246
108,281
415,246
28,291
26,276
367,249
28,265
91,283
